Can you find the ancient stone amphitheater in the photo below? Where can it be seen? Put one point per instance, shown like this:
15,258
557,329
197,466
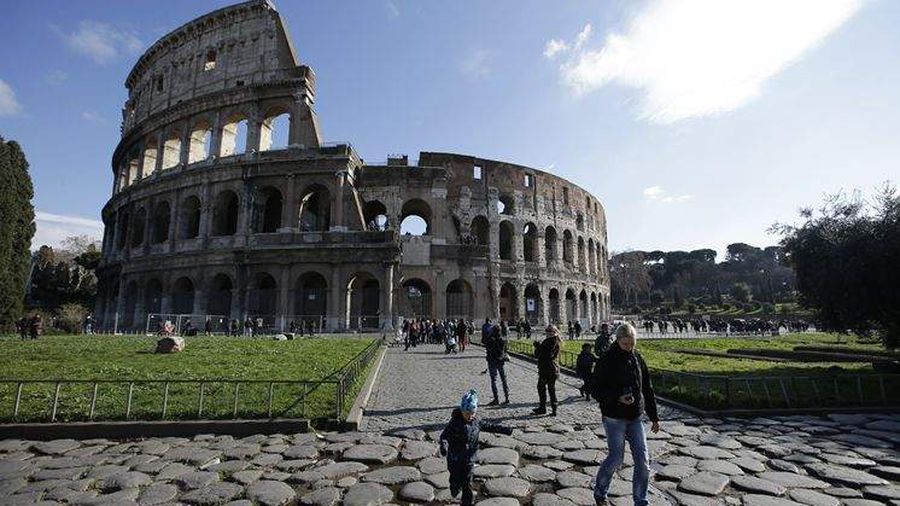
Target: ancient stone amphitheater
227,202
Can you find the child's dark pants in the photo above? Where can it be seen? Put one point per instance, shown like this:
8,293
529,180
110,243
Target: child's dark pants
461,480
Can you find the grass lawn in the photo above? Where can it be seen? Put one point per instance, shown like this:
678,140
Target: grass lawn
212,359
740,380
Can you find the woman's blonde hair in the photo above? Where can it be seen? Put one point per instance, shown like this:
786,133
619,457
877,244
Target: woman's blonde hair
626,330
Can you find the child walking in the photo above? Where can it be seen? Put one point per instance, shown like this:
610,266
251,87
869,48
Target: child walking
585,367
459,443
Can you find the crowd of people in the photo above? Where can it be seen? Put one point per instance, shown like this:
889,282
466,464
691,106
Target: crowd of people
30,327
739,326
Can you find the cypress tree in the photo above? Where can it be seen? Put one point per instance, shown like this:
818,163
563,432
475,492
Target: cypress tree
16,230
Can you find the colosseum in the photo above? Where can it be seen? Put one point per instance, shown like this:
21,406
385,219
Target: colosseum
226,202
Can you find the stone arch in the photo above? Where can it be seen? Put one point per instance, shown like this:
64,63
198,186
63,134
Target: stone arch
124,222
183,296
153,293
592,257
160,222
315,208
137,229
131,296
460,301
171,155
311,296
571,305
225,213
508,302
553,302
481,230
270,204
529,242
507,236
412,209
134,169
583,305
189,221
579,222
550,239
151,151
264,295
568,253
533,303
416,298
506,205
595,317
275,129
233,137
363,301
581,257
201,135
220,295
376,215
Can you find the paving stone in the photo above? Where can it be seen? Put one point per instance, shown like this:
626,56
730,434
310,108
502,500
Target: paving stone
578,496
192,455
367,494
812,497
417,450
439,480
842,492
675,472
212,494
540,438
887,472
494,470
338,470
584,457
172,471
269,493
229,466
749,464
706,452
558,465
55,447
783,465
371,454
758,485
498,501
792,480
393,475
685,499
267,459
680,460
507,487
158,493
498,456
247,477
242,452
767,500
545,499
573,479
432,465
537,474
704,483
196,479
844,475
541,452
720,466
882,492
861,502
68,473
129,479
328,496
417,491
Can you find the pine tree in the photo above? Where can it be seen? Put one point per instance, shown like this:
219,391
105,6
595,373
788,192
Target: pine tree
16,230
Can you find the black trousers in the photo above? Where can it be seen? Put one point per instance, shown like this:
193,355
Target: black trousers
545,385
461,481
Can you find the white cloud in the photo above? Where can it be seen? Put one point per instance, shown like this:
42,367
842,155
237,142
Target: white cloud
660,194
51,229
554,47
393,10
693,58
56,77
101,42
583,36
92,116
9,106
477,63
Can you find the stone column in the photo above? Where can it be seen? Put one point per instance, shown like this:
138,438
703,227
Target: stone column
386,321
291,222
518,243
284,289
520,299
337,212
334,301
173,222
184,156
545,305
495,298
539,253
254,128
160,153
439,310
206,215
215,141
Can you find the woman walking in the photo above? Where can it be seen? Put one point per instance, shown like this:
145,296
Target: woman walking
547,354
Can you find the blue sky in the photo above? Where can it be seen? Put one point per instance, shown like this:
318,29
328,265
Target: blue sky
696,122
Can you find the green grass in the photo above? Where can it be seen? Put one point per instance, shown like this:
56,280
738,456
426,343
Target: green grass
131,358
807,384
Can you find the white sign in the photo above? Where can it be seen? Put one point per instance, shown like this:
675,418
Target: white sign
530,304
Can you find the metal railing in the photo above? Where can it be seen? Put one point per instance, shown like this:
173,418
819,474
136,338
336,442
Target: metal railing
54,400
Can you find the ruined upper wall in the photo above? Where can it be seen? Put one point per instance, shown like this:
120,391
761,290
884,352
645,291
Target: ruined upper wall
234,47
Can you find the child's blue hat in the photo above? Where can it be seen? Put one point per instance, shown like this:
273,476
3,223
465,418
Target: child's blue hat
469,401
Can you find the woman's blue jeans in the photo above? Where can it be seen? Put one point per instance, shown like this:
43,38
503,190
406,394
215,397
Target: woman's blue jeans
617,432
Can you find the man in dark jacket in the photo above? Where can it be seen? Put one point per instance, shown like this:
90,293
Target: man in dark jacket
496,347
623,388
547,354
459,443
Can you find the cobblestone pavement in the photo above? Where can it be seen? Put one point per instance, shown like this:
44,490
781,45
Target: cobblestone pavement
839,460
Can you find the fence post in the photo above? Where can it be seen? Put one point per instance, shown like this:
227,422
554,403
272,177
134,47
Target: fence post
200,402
55,403
234,412
18,400
128,402
883,393
859,389
787,399
165,406
271,397
93,402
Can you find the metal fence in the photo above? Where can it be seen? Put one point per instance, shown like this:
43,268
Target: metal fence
55,400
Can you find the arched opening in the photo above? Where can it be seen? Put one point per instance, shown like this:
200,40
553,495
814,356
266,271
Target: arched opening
172,150
416,302
481,230
150,154
581,263
592,257
134,170
269,213
375,214
507,235
311,297
315,209
595,317
505,205
183,296
190,218
579,222
583,305
124,220
264,295
153,297
234,136
131,295
571,305
274,131
225,213
529,242
550,246
201,135
533,303
364,301
508,309
220,296
415,218
159,223
568,254
137,230
460,302
553,300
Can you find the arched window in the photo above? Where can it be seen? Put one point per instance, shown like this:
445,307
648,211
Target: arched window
415,218
553,298
550,246
201,135
183,296
274,131
190,218
571,306
134,170
137,230
481,230
124,221
153,297
234,136
159,223
315,209
375,214
269,214
579,222
592,257
220,296
581,262
508,302
225,214
507,236
568,254
364,300
505,205
529,242
459,299
416,299
150,153
131,295
310,298
532,303
172,150
264,295
583,305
